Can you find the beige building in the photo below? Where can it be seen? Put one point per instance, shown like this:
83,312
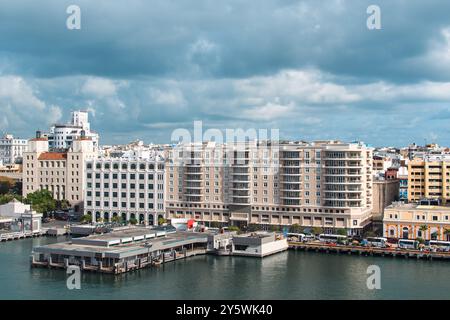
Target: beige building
324,184
59,172
384,193
408,221
429,178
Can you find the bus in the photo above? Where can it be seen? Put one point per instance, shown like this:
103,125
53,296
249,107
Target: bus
377,242
300,237
439,245
333,238
408,244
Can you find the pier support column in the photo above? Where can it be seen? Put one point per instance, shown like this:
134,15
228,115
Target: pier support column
83,264
66,262
49,262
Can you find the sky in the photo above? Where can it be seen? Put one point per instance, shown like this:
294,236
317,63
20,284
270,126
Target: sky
312,69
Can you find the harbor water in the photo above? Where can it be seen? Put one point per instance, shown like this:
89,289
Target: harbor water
287,275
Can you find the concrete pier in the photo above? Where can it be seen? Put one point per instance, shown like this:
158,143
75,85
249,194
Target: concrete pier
369,251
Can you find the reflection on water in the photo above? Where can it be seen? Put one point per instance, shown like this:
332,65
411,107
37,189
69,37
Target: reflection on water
288,275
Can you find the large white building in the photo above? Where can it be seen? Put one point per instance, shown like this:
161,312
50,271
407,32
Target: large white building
61,136
11,149
129,186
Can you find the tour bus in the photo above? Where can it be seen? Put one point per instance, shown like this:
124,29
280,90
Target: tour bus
377,242
439,245
408,244
300,237
332,238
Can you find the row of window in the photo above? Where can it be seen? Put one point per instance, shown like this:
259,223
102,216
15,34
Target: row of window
125,166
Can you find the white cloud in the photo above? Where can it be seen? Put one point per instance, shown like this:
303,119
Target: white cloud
99,87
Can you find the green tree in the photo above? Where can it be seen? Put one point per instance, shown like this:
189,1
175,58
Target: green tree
116,219
253,227
233,228
63,204
133,221
214,224
423,229
41,201
161,221
86,218
6,185
296,228
341,231
317,230
8,197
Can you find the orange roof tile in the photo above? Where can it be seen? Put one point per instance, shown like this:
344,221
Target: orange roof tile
53,156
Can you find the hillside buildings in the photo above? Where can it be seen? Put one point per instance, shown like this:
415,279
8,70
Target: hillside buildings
11,149
62,136
60,172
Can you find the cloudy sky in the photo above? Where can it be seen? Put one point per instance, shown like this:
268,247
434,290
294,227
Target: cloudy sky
309,68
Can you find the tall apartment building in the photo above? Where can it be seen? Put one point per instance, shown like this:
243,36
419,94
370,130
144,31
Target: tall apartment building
324,184
429,178
11,149
62,173
61,136
129,186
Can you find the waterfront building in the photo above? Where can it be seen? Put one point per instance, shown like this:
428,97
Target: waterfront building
62,173
417,220
20,217
61,136
11,149
130,186
429,177
326,184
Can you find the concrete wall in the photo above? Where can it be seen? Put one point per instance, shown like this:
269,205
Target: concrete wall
384,193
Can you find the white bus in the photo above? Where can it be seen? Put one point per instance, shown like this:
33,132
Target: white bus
407,244
332,238
376,242
300,237
440,245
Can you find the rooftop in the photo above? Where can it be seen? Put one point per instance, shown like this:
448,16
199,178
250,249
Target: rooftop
53,156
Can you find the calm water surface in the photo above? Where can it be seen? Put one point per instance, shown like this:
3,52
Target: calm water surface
288,275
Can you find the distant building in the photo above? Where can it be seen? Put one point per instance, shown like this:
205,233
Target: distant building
62,173
384,193
406,221
429,178
11,149
61,136
402,176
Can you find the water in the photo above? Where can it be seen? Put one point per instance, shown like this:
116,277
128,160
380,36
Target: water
288,275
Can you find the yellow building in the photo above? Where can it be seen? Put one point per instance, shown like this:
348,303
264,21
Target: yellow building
429,179
412,221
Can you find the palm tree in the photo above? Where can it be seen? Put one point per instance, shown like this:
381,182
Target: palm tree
447,233
423,228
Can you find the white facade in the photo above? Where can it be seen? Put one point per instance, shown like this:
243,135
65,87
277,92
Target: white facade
126,187
61,136
11,149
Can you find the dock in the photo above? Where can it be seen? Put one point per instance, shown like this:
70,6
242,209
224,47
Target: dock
9,236
121,251
369,251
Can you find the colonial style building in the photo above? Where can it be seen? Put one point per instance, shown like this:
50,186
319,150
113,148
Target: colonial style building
325,184
62,173
130,187
415,220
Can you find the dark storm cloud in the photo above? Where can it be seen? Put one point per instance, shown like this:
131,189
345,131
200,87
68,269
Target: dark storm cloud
310,68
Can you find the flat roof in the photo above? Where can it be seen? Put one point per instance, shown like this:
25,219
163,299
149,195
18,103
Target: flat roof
121,250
